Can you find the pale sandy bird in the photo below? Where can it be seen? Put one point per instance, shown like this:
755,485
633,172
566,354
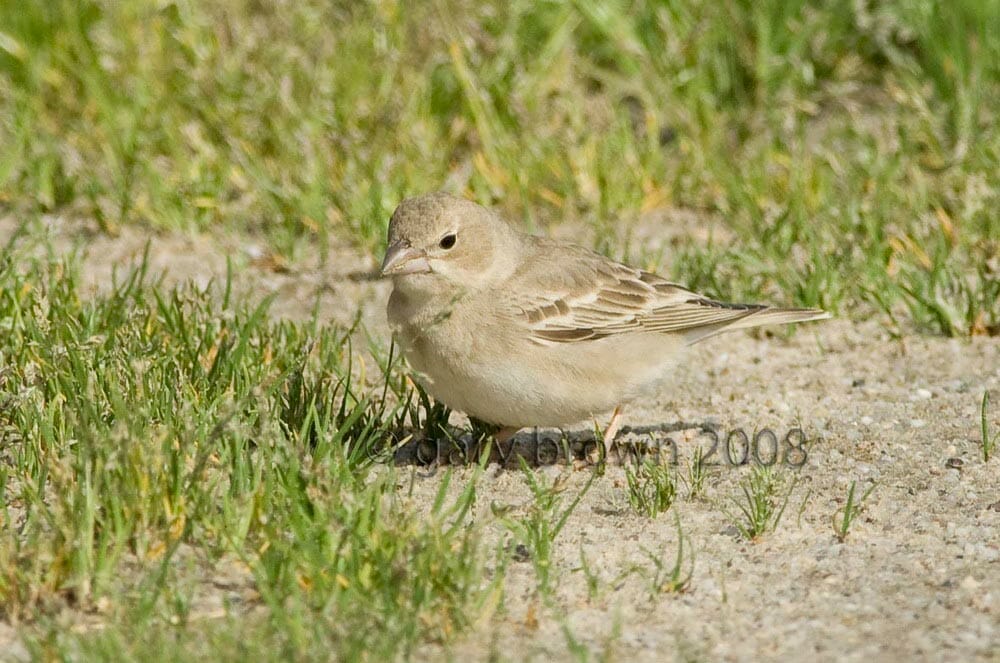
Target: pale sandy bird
519,330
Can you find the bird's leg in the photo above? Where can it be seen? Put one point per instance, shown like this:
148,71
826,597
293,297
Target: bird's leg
612,429
505,433
500,437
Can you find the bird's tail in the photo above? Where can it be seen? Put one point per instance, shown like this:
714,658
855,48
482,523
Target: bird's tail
757,317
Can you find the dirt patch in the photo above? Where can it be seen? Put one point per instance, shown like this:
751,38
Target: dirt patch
918,576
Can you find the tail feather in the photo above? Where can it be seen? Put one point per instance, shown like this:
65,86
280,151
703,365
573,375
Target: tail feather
763,316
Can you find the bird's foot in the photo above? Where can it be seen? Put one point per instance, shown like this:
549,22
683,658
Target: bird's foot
612,430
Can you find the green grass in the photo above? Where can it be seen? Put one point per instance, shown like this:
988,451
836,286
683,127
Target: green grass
846,153
849,513
697,473
147,423
671,579
543,519
761,503
988,441
835,153
652,487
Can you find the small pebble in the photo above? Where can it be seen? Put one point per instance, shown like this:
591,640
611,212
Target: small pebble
550,470
865,468
254,252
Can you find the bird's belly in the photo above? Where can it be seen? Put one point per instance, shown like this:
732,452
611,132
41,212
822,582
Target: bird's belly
519,383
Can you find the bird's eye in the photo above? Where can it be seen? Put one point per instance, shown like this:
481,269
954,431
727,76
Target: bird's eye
448,241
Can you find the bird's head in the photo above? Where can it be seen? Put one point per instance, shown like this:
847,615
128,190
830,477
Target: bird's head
438,241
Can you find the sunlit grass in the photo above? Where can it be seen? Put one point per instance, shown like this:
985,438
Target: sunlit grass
850,151
147,423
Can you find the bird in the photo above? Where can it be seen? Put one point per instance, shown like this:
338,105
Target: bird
523,331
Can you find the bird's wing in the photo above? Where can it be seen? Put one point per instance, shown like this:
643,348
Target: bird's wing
570,294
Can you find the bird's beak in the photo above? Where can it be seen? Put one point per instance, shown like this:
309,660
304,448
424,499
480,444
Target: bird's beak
401,258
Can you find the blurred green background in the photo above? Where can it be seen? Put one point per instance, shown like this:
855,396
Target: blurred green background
849,149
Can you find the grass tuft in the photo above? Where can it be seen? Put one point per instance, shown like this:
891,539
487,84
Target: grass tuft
652,488
673,579
762,504
987,442
851,510
546,516
697,474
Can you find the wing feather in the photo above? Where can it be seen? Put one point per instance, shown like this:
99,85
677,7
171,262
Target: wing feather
594,298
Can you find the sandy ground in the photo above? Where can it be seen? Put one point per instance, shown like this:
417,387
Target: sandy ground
918,577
